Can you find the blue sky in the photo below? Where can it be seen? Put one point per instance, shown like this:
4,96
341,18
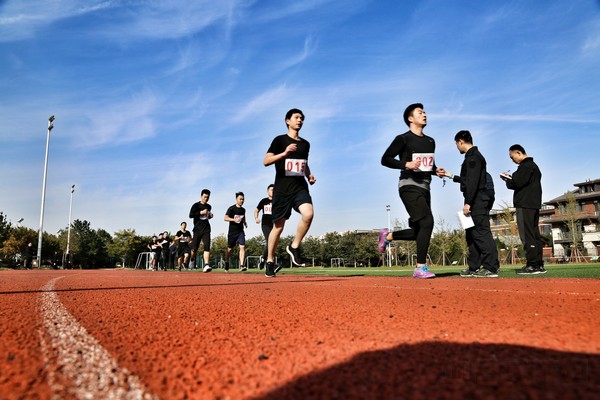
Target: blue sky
156,100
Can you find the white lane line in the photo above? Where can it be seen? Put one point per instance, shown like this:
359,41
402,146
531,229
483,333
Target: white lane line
88,367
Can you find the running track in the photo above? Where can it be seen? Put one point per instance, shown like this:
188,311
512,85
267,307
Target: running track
138,334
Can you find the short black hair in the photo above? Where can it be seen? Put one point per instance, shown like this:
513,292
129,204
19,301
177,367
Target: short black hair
183,223
239,194
270,186
517,147
409,110
465,136
205,191
293,111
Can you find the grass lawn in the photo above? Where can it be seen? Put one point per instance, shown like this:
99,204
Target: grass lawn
506,271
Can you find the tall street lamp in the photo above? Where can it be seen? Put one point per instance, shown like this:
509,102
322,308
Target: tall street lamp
39,249
69,226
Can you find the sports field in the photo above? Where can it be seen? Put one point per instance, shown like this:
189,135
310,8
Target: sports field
303,335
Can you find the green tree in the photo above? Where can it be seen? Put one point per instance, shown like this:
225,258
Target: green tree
5,228
125,246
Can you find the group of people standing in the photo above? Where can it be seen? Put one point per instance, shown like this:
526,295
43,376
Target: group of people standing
413,153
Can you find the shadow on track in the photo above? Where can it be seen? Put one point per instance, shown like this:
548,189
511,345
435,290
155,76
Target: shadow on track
269,282
452,371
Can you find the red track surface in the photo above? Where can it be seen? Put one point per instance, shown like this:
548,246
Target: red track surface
233,336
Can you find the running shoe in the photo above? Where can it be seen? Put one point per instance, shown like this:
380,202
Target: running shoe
269,270
206,268
383,242
295,256
485,273
467,273
261,264
423,273
227,266
278,267
531,270
243,268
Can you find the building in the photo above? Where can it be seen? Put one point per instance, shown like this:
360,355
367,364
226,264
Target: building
578,221
565,223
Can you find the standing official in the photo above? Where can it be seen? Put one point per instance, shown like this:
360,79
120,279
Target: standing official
527,199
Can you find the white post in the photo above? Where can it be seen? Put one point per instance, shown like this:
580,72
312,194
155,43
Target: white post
69,226
39,249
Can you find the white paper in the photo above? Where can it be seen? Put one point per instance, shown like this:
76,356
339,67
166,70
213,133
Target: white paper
465,222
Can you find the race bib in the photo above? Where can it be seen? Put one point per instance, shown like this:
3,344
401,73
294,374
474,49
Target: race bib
267,209
294,167
427,161
238,218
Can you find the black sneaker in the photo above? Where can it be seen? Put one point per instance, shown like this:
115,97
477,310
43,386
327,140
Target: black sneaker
531,270
485,273
243,268
467,273
226,265
295,256
269,269
278,267
261,264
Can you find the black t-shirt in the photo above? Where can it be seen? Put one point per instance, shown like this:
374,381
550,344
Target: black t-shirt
405,147
155,246
201,222
184,237
290,170
266,205
237,213
165,242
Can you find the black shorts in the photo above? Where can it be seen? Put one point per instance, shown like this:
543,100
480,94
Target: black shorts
236,238
183,248
417,202
201,236
283,204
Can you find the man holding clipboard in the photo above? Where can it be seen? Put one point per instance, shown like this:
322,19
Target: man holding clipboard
483,255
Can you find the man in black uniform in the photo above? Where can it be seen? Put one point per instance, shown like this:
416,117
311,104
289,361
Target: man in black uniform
289,153
417,164
483,255
165,242
527,199
236,216
201,213
183,238
265,205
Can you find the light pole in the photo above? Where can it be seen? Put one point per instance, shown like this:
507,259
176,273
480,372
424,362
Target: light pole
39,249
69,226
389,248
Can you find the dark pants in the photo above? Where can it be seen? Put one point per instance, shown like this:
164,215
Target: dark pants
266,230
482,247
527,222
418,205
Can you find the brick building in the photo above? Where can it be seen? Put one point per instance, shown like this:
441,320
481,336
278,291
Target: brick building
555,220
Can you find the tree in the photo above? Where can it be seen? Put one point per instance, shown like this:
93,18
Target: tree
510,235
14,246
571,211
5,228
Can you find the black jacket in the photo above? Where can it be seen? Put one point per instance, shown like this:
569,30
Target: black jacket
472,181
527,184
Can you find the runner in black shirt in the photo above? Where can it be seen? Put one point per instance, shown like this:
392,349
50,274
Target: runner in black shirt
201,213
155,247
416,160
289,153
236,216
265,205
165,242
183,239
